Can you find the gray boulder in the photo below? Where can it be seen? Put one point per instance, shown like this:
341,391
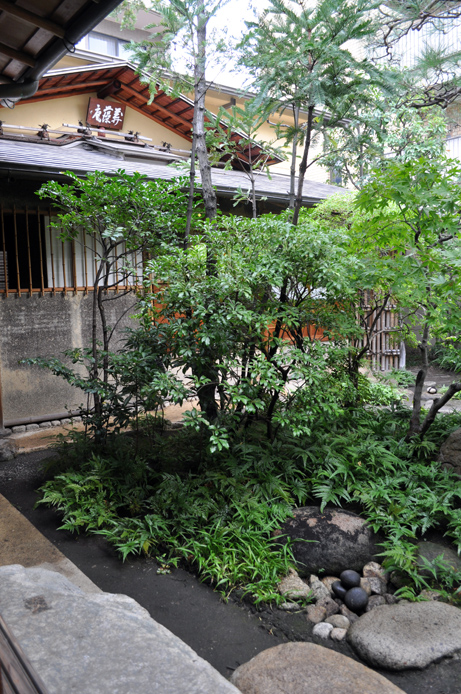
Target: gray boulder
8,450
432,550
104,643
403,636
293,587
305,668
330,541
450,452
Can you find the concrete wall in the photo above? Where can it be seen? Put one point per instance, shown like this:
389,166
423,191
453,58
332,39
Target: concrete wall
45,326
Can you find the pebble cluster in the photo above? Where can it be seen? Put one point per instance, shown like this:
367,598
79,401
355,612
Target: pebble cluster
340,600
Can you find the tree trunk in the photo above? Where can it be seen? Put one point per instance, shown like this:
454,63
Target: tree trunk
190,201
437,405
294,151
208,192
303,165
207,393
415,423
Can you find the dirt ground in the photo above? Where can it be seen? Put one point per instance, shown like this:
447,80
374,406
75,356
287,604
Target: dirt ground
225,634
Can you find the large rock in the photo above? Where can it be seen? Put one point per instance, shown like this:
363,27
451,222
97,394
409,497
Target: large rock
450,452
100,643
399,637
336,540
305,668
8,450
432,550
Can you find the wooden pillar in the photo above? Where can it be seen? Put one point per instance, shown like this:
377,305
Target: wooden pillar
3,431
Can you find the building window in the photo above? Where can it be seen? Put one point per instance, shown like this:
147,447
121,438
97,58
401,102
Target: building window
105,45
34,259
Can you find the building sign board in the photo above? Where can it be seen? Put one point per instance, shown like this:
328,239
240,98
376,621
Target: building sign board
105,113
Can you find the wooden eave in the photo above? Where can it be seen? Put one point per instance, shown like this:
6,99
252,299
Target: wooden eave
35,34
121,83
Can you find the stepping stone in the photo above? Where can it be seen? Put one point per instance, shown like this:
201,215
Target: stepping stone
305,668
99,642
399,637
450,452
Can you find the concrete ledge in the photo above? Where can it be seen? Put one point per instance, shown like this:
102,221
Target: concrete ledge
100,642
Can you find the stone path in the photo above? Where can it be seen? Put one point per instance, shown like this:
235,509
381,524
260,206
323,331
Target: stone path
21,543
98,642
404,636
304,668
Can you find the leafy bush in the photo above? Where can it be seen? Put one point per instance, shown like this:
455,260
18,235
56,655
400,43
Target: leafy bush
447,354
218,513
401,377
241,320
220,520
378,393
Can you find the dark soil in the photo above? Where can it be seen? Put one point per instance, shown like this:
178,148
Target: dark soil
224,634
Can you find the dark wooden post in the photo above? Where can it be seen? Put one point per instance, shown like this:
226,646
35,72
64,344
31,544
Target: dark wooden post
3,431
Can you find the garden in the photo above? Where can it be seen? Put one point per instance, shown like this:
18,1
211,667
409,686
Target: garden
263,325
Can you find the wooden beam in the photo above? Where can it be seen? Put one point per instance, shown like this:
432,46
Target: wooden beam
109,89
32,18
152,117
52,93
162,109
79,86
20,56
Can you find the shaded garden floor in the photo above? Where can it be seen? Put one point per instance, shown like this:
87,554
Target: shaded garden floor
226,635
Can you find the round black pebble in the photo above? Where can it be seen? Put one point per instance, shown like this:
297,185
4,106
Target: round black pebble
356,599
350,578
338,589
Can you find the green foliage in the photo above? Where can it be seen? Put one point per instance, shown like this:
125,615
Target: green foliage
401,377
447,354
296,50
381,130
170,55
378,393
231,137
300,57
120,220
219,512
124,212
249,335
135,381
405,236
220,520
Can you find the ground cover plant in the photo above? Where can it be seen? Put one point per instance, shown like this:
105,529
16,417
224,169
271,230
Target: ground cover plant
447,354
217,512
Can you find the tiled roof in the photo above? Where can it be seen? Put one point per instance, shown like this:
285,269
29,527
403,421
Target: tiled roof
45,161
121,82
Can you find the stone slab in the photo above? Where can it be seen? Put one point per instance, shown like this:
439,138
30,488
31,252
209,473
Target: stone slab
103,643
21,543
404,636
306,668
